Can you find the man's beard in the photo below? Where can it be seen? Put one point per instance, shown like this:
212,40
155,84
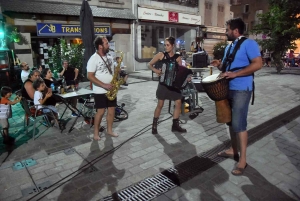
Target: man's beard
230,38
106,51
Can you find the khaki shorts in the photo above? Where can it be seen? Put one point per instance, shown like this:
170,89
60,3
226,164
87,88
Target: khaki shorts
4,123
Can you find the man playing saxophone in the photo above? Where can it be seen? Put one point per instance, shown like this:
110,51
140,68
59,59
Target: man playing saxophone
100,72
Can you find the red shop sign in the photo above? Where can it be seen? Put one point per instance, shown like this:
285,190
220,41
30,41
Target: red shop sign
173,17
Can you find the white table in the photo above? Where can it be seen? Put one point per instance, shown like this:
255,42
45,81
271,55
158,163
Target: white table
68,95
80,92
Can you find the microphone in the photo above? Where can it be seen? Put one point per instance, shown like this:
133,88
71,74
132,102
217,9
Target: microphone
111,50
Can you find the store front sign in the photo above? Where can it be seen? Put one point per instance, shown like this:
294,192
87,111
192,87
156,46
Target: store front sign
151,14
189,19
167,16
50,29
173,17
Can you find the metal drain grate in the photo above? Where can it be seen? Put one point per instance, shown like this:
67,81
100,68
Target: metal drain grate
147,189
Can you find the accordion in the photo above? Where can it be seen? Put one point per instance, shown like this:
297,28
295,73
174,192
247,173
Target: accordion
174,75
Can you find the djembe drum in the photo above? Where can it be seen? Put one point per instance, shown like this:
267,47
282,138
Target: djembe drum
217,89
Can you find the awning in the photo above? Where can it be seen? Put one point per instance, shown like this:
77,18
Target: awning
58,8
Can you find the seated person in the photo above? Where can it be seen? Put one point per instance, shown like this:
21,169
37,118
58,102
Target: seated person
69,73
123,73
25,71
48,78
40,99
27,89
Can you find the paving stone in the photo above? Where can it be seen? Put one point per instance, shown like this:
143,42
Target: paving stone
41,168
54,170
161,198
150,163
137,154
229,197
39,175
122,159
283,177
10,192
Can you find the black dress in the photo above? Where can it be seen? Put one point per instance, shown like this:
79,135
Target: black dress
164,92
49,82
54,98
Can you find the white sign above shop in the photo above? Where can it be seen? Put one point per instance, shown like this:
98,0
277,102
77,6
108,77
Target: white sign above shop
168,16
189,19
152,14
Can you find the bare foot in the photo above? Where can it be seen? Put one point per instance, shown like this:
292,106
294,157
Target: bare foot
113,134
228,152
96,137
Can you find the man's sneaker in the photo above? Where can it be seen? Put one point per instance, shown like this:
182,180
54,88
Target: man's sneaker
125,84
74,114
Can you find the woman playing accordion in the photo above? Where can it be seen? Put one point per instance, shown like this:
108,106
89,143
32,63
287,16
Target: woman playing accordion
167,65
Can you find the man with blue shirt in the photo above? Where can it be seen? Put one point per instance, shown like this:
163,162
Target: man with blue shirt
247,60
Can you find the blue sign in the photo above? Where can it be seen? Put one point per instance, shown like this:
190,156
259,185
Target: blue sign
51,29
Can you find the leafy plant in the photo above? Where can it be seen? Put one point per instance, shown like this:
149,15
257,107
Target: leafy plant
62,51
219,49
281,26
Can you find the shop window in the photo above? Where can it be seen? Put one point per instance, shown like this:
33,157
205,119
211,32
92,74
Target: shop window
208,14
221,16
246,8
246,28
150,39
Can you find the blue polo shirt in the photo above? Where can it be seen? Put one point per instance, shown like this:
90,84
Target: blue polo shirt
249,50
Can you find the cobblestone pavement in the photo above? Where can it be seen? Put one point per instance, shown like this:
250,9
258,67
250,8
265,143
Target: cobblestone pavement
112,164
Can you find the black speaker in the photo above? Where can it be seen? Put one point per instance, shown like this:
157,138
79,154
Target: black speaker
200,60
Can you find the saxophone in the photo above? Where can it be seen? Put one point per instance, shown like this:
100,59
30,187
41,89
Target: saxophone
116,81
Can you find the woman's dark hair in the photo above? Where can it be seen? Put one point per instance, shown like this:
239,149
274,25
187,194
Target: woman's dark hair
236,23
5,90
37,83
44,72
98,41
171,40
32,73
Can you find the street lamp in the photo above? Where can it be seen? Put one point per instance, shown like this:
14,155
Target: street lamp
203,32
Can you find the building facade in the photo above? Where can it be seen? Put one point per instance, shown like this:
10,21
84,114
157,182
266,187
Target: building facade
182,19
43,22
248,10
215,14
136,27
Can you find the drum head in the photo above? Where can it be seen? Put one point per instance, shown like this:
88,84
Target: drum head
211,78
